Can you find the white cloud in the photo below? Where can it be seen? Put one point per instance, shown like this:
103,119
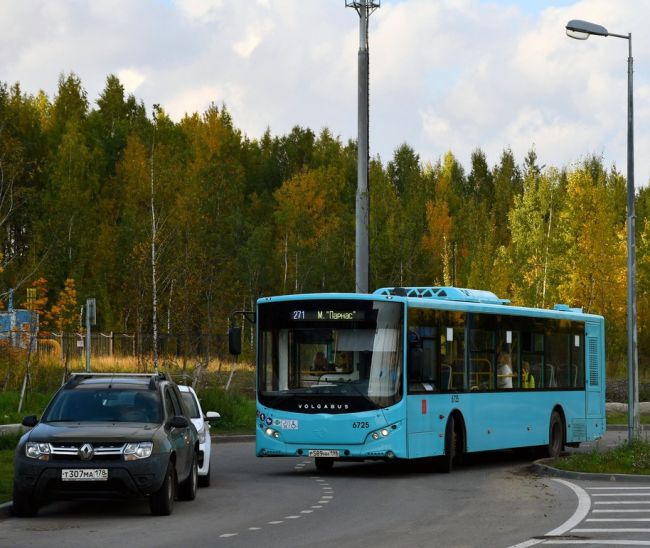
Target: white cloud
199,99
245,47
450,74
201,10
131,79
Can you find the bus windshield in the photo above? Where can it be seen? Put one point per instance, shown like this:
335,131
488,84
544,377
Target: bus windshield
318,356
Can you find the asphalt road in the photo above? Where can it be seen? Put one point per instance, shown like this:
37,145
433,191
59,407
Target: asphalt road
491,501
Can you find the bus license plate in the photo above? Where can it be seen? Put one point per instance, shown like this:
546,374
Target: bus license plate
85,474
323,453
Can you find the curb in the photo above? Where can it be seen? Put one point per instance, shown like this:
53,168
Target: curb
541,467
624,428
5,509
218,438
12,429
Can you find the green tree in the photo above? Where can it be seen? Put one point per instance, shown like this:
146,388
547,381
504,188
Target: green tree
535,254
312,227
594,261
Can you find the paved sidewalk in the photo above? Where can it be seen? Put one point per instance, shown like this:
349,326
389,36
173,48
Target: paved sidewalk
615,436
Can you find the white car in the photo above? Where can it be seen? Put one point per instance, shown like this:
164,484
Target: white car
202,424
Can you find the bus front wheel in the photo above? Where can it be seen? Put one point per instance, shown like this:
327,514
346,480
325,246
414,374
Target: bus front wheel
445,463
323,464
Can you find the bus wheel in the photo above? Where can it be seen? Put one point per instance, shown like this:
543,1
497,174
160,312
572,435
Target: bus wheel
446,462
555,436
323,464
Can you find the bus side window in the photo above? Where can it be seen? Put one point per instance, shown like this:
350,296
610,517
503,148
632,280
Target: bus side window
532,352
422,357
577,360
453,341
481,359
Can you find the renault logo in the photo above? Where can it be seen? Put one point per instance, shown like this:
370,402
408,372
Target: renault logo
86,452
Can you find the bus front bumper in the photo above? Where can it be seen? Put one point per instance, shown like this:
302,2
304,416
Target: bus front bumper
393,447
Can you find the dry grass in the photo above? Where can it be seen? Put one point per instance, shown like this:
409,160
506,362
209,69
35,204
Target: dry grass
47,372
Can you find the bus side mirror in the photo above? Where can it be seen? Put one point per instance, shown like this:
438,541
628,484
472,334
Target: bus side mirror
234,341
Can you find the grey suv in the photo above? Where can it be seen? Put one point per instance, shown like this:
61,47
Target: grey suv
109,436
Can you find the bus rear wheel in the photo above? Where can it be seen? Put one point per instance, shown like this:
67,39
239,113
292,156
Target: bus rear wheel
323,464
555,437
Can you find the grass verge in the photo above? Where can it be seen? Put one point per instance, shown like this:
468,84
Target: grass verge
631,458
621,418
8,444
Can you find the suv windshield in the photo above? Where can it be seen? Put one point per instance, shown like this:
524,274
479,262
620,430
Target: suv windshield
104,405
343,353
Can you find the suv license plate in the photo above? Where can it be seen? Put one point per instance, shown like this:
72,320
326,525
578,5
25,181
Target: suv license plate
323,453
85,474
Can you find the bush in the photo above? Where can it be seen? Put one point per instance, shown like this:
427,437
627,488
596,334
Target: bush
34,404
616,390
8,441
237,412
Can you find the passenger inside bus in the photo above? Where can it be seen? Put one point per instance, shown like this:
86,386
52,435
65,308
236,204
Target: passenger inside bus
527,379
504,372
343,363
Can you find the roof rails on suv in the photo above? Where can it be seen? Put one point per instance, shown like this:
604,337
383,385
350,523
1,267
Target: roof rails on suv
155,378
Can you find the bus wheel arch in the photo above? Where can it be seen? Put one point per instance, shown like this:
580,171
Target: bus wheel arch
455,442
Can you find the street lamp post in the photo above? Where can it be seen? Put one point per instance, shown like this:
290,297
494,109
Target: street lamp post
581,30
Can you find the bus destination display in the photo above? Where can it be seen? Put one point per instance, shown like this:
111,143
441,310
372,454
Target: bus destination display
327,315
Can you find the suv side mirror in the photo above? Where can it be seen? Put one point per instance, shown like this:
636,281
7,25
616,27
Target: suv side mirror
212,415
179,422
30,421
234,340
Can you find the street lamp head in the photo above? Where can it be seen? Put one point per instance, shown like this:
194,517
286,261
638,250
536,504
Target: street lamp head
580,30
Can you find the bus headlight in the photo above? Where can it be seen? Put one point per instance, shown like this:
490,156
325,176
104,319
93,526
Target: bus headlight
272,433
383,432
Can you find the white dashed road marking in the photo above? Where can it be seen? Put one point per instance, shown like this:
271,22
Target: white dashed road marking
326,493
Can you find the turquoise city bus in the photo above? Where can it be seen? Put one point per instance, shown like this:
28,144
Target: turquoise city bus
415,372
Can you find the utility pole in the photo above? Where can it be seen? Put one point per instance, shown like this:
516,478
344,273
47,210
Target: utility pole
581,30
364,9
91,319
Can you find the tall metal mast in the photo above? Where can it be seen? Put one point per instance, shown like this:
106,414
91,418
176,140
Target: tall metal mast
364,9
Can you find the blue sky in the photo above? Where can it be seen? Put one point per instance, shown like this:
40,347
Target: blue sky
445,74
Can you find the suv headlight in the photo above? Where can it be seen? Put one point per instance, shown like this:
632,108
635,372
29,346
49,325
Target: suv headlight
202,435
35,450
139,450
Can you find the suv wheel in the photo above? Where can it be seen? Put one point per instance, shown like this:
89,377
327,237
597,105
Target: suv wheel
24,506
161,502
204,481
187,489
